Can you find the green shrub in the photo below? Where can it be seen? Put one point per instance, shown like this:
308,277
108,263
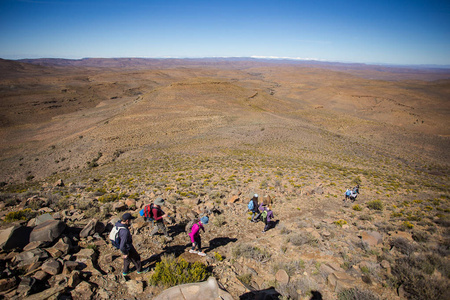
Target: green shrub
173,271
20,215
217,256
108,198
245,278
340,223
357,207
375,205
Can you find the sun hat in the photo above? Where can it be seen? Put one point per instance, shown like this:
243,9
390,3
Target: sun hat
204,220
127,216
255,195
159,201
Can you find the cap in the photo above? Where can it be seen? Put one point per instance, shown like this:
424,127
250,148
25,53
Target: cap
127,216
159,201
255,195
204,220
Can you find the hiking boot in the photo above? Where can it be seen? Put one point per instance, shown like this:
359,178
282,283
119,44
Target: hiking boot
193,251
143,271
202,253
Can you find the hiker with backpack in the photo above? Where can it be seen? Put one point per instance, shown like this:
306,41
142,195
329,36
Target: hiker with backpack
158,215
266,215
194,234
121,238
253,207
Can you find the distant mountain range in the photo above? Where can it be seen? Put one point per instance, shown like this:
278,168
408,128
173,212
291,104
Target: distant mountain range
234,62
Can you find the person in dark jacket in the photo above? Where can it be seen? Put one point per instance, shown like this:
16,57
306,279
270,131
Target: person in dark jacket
129,253
158,216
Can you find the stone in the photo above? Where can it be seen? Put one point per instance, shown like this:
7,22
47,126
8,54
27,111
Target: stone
14,237
7,283
30,257
195,291
340,280
43,218
52,267
74,279
282,276
233,199
94,226
40,275
120,206
51,293
372,238
48,231
33,266
26,286
33,245
60,182
69,267
83,291
135,287
130,203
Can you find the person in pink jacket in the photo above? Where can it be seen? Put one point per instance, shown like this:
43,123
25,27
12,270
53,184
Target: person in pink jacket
195,236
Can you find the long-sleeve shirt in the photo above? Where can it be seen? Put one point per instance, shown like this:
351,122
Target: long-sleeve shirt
195,231
157,214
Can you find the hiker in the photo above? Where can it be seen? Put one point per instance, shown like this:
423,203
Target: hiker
195,236
129,253
266,215
348,192
158,217
253,207
354,193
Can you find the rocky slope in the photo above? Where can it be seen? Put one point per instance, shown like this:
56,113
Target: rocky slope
206,139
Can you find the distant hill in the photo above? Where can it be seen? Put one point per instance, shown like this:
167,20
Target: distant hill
364,70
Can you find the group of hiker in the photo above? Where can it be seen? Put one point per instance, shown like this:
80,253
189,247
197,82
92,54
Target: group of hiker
121,237
351,194
261,212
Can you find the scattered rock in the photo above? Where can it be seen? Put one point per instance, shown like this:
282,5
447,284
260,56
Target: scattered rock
52,267
195,291
372,238
282,276
7,283
48,231
14,237
135,287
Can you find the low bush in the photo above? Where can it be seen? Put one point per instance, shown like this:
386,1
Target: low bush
357,207
249,251
20,215
172,271
375,205
357,294
302,238
108,198
340,223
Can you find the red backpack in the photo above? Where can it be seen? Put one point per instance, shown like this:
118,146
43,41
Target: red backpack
148,211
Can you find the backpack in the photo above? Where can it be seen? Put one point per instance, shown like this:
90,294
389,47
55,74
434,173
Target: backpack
114,236
148,211
264,215
348,192
189,225
251,205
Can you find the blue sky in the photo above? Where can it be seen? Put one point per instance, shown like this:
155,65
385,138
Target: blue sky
376,31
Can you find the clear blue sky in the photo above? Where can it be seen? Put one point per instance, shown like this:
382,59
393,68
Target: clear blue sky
375,31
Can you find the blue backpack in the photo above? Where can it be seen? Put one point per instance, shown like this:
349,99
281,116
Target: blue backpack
251,205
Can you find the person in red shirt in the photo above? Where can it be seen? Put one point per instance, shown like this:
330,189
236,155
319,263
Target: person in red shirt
158,216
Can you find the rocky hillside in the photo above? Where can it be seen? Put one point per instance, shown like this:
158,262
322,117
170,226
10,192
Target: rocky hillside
83,145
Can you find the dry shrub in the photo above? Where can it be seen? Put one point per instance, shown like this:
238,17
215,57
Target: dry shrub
249,251
302,238
357,294
413,274
403,245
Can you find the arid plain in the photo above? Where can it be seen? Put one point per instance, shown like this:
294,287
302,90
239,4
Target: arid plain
206,134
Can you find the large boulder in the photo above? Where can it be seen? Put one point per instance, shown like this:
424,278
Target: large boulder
195,291
14,237
48,231
94,226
